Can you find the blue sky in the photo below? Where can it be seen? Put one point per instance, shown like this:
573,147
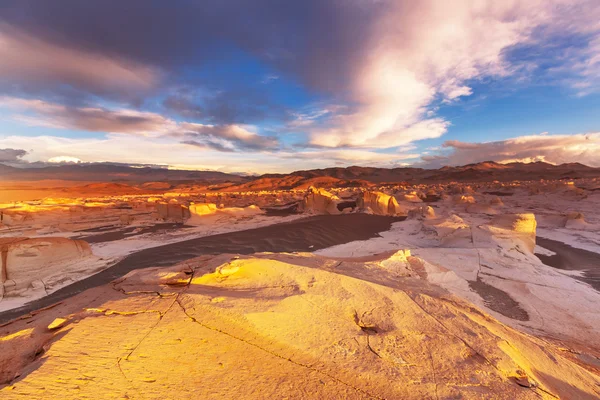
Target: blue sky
272,87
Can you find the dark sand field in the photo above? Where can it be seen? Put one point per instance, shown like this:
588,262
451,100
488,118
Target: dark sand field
572,259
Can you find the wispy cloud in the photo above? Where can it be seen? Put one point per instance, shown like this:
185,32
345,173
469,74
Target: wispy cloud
152,125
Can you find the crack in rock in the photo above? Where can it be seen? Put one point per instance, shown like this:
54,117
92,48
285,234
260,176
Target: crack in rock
274,354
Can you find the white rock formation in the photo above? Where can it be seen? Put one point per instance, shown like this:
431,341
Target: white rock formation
320,201
412,197
26,260
464,200
523,225
379,204
575,220
202,209
423,212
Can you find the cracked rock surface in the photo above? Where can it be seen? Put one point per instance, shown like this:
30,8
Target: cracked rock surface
280,326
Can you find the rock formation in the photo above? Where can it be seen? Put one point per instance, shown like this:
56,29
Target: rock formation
202,209
320,201
172,212
26,260
523,225
280,326
575,220
423,212
379,203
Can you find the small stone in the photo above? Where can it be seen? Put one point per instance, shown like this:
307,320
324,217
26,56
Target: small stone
57,323
525,382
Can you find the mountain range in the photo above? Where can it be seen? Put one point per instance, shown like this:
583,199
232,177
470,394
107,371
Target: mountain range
328,177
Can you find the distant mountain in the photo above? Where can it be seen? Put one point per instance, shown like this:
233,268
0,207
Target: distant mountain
100,172
487,171
156,178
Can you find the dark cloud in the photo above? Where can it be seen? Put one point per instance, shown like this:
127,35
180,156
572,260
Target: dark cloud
313,40
12,155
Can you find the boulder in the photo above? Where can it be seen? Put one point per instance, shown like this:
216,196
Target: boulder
575,220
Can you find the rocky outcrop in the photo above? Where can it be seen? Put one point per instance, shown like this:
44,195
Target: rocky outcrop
464,199
522,225
272,318
26,260
575,220
412,198
172,212
379,203
202,209
496,202
320,201
423,212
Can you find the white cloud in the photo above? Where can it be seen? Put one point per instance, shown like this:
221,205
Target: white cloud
419,52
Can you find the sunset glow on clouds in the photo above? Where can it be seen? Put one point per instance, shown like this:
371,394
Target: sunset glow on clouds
265,86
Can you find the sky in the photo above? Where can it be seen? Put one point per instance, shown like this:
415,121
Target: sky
276,86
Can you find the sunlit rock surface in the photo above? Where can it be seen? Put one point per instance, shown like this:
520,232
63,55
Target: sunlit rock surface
320,201
379,203
277,326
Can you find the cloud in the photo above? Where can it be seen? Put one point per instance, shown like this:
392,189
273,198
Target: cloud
419,53
93,119
11,155
555,149
224,137
375,71
35,64
125,121
236,105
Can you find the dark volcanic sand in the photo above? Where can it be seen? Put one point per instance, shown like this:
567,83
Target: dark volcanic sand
307,234
572,259
498,300
128,232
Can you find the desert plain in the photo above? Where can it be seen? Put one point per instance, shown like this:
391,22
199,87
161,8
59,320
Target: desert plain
473,282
